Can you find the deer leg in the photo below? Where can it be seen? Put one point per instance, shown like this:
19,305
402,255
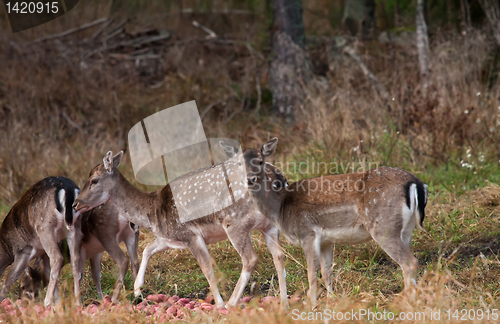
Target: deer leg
399,252
46,275
95,270
271,236
116,253
81,266
311,249
326,256
132,243
21,262
5,261
56,262
74,241
157,246
200,251
243,245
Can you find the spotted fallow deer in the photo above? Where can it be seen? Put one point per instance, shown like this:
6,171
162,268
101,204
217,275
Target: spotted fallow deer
157,212
384,204
103,230
34,226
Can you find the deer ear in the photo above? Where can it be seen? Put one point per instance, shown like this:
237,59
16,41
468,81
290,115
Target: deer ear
108,161
228,149
269,147
117,159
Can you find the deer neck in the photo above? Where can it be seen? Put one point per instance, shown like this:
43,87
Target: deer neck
268,200
132,203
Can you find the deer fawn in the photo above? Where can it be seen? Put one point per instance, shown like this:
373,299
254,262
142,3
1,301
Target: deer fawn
384,204
157,212
103,230
40,219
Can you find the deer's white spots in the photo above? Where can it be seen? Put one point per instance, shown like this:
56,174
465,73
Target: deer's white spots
370,189
194,198
184,193
196,190
377,189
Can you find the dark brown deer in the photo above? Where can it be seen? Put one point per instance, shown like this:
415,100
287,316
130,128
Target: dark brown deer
157,212
34,226
383,204
103,229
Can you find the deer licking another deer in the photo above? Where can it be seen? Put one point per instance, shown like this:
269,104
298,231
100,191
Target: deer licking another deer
40,219
103,230
384,204
157,212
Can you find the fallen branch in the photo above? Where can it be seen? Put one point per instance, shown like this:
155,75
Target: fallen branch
100,30
213,104
211,33
492,11
373,79
132,43
117,30
216,11
70,31
133,57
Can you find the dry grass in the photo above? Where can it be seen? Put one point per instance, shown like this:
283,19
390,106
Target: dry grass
448,140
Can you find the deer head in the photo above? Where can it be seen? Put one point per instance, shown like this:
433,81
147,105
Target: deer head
101,182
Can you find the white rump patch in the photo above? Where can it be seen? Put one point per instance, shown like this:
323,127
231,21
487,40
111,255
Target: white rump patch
61,196
409,219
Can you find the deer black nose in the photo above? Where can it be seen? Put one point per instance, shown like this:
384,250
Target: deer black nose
251,180
75,205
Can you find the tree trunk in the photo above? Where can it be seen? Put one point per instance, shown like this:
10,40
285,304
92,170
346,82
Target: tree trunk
423,46
492,10
289,69
359,17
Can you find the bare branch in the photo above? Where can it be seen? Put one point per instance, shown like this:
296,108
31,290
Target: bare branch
211,33
70,31
492,10
373,79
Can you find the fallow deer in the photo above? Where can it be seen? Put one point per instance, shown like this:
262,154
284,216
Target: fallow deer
157,212
103,230
384,204
40,219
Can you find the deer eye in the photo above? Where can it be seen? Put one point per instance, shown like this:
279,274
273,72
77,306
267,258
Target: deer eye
94,181
261,162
